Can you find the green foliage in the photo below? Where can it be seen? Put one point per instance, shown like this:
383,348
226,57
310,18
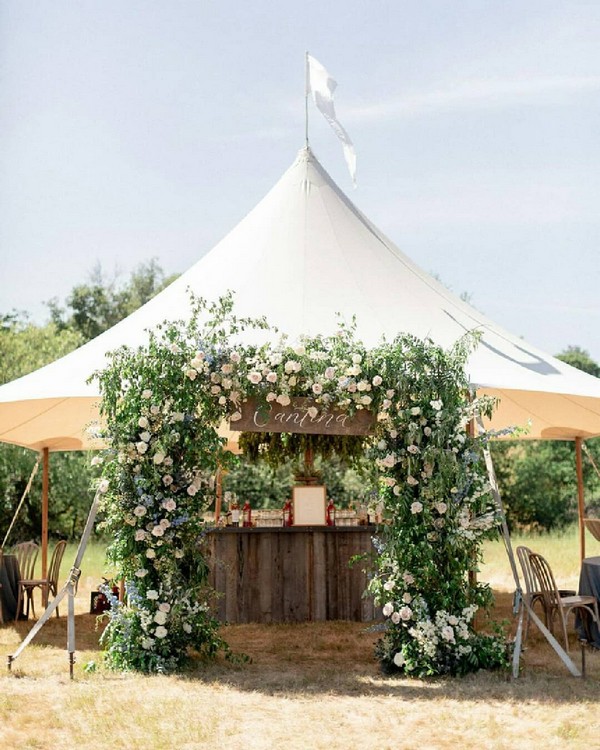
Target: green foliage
580,358
163,405
96,306
25,347
538,480
264,486
538,483
437,500
278,448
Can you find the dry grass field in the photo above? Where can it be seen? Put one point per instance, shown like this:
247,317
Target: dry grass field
308,686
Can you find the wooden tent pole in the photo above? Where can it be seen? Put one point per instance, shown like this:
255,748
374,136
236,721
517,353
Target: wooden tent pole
580,497
218,493
45,484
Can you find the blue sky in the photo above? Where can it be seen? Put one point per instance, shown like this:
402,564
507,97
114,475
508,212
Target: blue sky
140,129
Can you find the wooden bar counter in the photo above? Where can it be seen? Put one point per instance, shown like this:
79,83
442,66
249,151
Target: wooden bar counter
290,574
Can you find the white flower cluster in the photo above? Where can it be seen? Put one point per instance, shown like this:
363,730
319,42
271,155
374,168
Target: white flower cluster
446,631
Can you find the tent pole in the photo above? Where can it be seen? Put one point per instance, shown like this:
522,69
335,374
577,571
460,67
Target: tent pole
45,483
580,496
218,494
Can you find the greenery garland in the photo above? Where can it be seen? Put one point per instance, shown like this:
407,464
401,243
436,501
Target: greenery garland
163,405
277,448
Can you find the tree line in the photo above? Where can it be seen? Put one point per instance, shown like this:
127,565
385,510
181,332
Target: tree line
537,479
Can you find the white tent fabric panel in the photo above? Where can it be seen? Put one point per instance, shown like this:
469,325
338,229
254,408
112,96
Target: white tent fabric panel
303,255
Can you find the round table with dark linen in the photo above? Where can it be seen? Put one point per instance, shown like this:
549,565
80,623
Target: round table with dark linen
589,585
9,578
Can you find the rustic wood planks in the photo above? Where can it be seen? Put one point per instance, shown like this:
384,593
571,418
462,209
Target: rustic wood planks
290,574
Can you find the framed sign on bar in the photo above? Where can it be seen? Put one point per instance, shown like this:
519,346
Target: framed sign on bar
309,505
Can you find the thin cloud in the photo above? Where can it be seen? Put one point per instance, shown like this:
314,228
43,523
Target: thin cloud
476,94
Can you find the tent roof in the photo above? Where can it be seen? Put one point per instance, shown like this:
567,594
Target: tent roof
304,255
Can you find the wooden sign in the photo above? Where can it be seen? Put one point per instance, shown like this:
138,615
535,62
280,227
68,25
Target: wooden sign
302,415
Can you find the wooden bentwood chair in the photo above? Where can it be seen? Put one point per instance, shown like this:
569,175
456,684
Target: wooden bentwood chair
557,605
47,585
532,593
26,554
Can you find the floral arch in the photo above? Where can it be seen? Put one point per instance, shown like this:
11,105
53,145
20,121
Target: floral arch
163,405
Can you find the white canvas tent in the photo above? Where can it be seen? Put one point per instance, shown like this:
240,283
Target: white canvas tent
303,255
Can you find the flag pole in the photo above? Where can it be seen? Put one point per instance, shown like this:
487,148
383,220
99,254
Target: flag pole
306,91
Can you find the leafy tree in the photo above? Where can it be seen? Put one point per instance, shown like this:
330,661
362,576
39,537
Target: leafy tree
99,304
24,347
579,358
538,480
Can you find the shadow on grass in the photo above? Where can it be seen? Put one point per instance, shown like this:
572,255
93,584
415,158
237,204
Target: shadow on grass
53,633
334,658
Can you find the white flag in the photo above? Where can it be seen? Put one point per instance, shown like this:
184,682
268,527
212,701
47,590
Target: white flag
321,85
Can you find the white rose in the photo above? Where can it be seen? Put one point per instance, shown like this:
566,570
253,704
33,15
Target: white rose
254,377
139,511
357,359
272,377
283,399
150,554
235,417
167,480
140,535
406,613
145,436
388,608
187,627
160,618
158,530
412,481
141,447
147,393
178,553
164,607
416,507
415,411
191,374
103,486
235,357
141,572
377,380
159,457
317,388
152,594
395,618
161,632
366,400
313,412
399,660
330,373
